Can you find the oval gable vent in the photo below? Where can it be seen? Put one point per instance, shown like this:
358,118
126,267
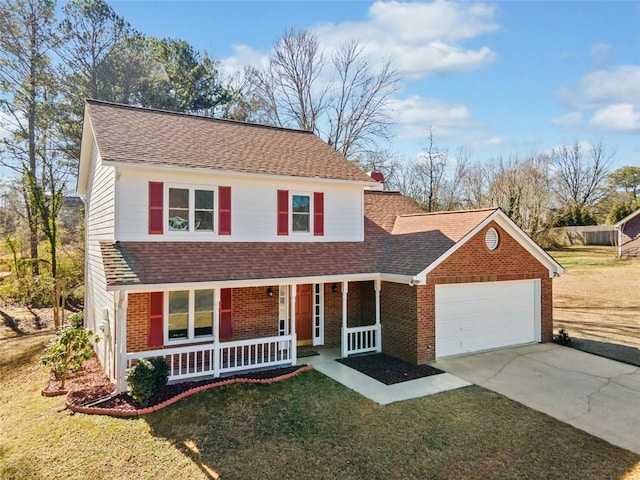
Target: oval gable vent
491,239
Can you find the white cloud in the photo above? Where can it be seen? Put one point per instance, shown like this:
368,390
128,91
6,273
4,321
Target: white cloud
569,121
245,56
620,117
449,122
420,39
603,87
610,96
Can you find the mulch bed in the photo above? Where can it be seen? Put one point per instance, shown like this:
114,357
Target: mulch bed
90,384
388,370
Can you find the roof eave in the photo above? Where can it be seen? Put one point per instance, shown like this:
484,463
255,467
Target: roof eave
86,150
264,282
231,173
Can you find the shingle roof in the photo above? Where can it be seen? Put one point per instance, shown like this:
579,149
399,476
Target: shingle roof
393,244
126,134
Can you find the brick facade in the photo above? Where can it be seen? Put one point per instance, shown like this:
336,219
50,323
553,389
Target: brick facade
407,313
254,314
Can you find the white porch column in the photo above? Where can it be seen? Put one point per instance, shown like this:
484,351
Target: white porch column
345,335
377,285
292,326
121,341
216,332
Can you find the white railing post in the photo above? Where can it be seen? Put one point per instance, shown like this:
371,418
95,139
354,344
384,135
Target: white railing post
215,351
121,342
378,332
293,346
345,333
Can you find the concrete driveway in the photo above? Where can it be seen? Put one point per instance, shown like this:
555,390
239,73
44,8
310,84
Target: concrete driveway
594,394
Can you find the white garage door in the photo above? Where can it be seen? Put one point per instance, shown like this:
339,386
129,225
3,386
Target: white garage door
471,317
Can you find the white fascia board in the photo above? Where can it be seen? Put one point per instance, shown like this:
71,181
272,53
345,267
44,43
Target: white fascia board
620,224
396,278
86,151
231,173
516,233
261,282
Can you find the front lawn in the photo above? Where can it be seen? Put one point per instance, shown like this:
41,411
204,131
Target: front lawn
305,427
597,299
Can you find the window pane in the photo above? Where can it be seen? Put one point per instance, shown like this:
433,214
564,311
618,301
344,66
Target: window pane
300,222
300,203
204,220
178,219
204,301
178,325
179,302
203,324
178,198
204,200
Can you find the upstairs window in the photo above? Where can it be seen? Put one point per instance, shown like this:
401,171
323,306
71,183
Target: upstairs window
300,213
190,210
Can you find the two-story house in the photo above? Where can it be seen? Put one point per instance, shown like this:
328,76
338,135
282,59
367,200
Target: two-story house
225,246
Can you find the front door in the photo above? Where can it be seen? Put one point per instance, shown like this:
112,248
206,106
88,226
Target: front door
304,314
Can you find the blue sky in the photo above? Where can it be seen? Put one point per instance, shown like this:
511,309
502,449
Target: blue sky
495,78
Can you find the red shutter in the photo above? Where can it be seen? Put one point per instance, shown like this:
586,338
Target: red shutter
156,319
224,210
225,313
156,192
318,214
283,212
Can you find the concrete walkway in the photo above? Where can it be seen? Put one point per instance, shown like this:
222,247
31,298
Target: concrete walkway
595,394
374,390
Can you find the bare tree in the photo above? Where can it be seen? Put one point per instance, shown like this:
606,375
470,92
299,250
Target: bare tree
346,106
289,86
357,113
580,180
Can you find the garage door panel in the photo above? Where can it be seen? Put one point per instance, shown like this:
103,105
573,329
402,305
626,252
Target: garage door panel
482,316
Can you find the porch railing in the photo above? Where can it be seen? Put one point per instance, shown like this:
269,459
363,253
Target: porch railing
361,340
224,357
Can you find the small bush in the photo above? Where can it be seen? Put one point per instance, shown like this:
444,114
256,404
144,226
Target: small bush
147,378
68,350
562,338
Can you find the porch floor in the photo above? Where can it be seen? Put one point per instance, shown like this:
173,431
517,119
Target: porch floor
380,393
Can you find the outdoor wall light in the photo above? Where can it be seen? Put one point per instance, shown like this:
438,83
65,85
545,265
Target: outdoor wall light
269,292
334,288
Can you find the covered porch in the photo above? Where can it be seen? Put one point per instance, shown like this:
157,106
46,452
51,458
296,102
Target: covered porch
268,325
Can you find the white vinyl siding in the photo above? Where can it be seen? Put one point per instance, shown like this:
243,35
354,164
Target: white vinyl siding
100,225
472,317
253,207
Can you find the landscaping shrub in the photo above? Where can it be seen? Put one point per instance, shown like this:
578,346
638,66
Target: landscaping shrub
69,349
562,338
147,378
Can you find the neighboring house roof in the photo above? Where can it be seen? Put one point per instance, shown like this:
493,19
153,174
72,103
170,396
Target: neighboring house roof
142,136
395,244
631,216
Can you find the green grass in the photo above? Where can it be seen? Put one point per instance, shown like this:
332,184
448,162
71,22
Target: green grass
590,256
305,427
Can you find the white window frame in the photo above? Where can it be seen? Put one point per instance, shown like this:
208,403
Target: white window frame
318,318
283,314
301,194
191,338
192,208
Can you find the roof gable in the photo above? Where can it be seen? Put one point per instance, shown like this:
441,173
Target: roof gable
133,136
629,217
